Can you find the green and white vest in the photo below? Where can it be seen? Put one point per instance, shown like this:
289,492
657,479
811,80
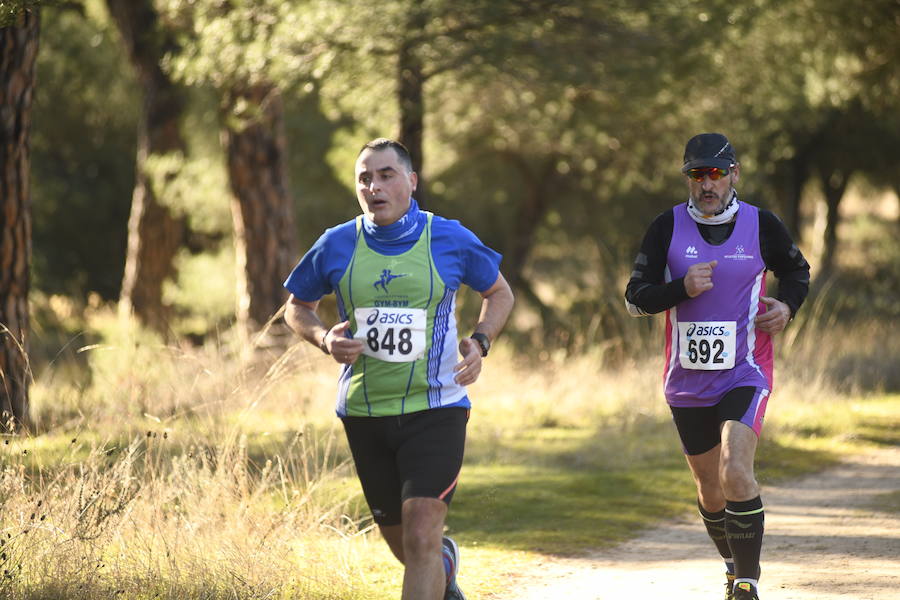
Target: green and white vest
400,308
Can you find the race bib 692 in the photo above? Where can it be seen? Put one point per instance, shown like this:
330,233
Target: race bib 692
391,334
707,345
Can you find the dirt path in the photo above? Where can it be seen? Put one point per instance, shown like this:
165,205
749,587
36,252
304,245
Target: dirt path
825,539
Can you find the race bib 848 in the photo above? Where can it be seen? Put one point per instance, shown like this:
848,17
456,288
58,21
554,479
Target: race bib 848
392,334
707,345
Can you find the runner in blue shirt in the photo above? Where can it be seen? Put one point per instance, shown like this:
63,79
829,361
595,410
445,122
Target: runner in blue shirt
395,271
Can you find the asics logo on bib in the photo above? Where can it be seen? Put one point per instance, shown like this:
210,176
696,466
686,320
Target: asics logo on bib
392,318
398,318
695,329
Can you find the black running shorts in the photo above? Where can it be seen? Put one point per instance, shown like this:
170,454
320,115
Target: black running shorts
408,456
700,427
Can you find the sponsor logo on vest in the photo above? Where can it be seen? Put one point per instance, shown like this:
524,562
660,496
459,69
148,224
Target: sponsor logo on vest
691,252
739,254
396,318
385,279
705,330
389,318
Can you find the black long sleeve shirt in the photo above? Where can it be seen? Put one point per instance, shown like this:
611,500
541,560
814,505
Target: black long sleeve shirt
648,291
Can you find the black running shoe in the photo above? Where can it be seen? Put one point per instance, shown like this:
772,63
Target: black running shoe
744,591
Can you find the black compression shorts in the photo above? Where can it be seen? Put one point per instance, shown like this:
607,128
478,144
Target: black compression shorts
407,456
700,428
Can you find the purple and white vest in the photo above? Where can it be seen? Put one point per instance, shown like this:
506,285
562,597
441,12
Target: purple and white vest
712,345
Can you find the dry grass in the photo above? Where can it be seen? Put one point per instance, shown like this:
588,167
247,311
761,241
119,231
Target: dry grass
179,472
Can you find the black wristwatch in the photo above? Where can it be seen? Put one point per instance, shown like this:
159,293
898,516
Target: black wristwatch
322,345
483,342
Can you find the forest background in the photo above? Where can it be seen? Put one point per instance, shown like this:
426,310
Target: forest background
182,154
554,130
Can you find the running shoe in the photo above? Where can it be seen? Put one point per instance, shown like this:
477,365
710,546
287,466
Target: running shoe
729,586
451,566
745,591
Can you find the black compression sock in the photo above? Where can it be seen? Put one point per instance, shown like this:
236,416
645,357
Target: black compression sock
744,532
715,527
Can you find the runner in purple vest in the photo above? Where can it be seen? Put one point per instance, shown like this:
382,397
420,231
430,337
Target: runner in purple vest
704,262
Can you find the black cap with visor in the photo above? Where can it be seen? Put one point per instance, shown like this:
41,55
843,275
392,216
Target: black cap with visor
708,150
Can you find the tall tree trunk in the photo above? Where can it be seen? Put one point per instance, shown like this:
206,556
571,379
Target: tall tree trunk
18,53
834,184
411,97
532,208
791,176
154,234
262,210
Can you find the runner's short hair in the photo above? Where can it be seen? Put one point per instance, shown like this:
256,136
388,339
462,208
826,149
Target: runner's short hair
383,143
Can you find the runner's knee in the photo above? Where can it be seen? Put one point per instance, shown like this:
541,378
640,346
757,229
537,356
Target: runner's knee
423,525
420,540
711,498
738,482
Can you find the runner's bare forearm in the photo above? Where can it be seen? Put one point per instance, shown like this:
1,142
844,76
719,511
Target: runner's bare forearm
497,302
302,318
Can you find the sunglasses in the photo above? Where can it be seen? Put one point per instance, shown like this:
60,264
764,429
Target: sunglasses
714,173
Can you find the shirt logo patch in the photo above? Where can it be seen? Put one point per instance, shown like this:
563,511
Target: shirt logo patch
739,254
386,278
691,252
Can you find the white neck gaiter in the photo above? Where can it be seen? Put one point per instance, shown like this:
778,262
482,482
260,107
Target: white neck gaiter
723,216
